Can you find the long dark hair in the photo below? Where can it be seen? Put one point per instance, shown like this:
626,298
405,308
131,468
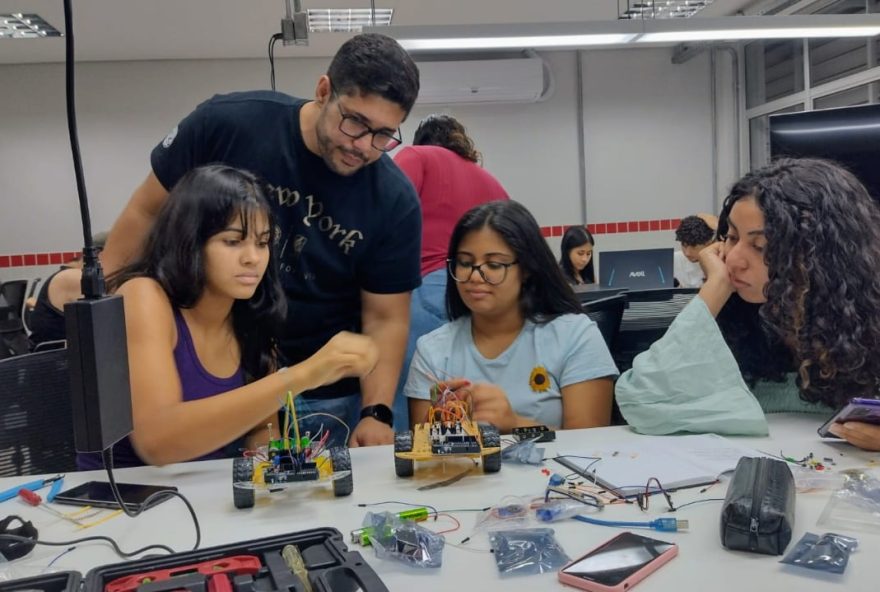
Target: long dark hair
544,294
574,237
823,247
199,206
447,132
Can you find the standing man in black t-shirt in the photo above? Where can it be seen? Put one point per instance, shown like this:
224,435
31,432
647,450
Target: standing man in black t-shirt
349,220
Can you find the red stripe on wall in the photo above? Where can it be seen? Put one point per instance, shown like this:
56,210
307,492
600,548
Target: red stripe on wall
59,257
31,259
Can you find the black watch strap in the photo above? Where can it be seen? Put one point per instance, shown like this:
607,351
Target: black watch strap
379,412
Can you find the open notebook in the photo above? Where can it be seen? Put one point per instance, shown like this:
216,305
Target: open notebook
624,468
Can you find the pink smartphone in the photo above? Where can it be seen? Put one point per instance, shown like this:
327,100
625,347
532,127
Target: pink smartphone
619,564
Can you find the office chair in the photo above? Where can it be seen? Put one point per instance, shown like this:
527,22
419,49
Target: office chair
14,292
649,314
607,313
36,423
26,311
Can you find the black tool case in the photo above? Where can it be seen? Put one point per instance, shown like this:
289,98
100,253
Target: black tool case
329,563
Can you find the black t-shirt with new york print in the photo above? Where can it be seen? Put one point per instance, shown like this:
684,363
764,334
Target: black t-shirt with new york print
338,234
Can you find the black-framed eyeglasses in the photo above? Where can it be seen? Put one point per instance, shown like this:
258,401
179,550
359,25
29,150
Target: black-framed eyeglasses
492,272
383,140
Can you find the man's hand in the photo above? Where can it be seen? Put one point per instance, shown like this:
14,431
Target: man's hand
492,405
862,435
371,432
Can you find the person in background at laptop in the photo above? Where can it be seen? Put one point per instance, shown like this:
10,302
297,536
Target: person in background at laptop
576,259
445,169
517,339
787,319
46,319
203,308
695,233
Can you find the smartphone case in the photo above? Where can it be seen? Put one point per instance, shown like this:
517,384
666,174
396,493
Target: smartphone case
865,410
330,565
758,511
626,584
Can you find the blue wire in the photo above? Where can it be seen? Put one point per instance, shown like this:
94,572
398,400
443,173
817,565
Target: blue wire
589,520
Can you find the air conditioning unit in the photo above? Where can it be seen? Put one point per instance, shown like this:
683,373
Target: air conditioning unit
520,80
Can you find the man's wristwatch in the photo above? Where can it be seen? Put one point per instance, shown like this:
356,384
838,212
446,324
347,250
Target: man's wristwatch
380,412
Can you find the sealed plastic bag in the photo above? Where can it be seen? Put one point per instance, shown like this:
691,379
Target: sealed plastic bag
404,541
829,552
524,452
527,551
856,505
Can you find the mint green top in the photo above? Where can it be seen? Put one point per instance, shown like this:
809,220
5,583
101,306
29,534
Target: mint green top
689,381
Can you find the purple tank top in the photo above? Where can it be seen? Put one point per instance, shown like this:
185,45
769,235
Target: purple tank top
196,383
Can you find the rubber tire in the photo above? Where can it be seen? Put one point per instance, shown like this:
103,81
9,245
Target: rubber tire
491,439
243,470
341,459
403,442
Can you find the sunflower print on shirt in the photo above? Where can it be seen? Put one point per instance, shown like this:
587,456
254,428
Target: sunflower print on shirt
539,380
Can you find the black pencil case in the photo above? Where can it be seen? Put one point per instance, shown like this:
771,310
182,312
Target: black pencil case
758,511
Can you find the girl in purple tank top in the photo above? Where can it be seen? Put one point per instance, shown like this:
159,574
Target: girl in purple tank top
202,305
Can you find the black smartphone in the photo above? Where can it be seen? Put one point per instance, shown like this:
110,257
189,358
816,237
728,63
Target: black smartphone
98,494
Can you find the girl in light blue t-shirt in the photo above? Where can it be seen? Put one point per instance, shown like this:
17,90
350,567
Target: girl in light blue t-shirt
517,336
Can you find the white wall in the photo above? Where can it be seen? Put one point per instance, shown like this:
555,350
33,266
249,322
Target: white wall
647,140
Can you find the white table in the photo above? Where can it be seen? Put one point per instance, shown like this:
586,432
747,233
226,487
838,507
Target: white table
703,564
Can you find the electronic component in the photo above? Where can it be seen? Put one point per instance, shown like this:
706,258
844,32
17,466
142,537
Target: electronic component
541,432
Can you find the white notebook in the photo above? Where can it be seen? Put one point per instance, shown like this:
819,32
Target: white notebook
677,462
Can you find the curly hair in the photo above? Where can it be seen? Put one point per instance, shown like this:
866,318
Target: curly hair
820,316
693,231
447,132
574,237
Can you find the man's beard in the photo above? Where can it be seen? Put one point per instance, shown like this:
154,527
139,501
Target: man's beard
327,149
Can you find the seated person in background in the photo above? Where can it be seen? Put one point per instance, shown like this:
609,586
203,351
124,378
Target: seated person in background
517,337
695,233
46,320
202,306
445,168
577,256
789,308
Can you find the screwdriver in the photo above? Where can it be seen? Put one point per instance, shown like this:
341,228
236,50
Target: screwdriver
35,500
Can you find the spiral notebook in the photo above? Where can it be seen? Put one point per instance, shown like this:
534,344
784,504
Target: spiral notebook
678,462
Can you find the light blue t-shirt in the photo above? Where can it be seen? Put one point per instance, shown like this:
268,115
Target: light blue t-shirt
570,349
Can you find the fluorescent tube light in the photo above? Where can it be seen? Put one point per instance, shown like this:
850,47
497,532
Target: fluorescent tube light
516,42
760,27
769,33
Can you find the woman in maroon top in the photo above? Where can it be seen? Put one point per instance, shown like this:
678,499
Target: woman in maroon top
444,167
201,308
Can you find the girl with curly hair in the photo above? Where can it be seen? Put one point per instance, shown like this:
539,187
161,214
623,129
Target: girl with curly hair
787,319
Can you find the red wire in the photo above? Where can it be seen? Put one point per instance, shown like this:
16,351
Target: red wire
451,517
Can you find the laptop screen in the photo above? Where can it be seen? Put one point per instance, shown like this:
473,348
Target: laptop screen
643,269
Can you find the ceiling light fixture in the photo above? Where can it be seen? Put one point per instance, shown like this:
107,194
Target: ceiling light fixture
630,31
25,26
663,9
347,20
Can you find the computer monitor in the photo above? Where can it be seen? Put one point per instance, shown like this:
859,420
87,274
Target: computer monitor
850,136
642,269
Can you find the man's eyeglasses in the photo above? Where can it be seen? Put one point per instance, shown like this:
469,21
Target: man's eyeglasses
492,272
383,140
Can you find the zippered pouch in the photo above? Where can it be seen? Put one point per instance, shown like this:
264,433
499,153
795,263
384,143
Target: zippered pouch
758,511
